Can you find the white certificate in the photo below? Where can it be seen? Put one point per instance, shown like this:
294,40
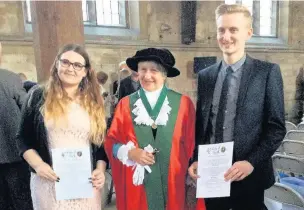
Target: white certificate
73,167
213,161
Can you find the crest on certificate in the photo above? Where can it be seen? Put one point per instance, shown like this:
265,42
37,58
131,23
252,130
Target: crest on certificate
223,149
72,154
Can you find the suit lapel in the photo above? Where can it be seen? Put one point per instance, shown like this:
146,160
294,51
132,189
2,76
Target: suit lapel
212,77
245,80
207,95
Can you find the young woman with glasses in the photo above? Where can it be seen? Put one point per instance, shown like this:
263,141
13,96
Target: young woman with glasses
67,113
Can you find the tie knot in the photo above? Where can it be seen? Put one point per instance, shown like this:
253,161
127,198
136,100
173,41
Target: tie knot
229,70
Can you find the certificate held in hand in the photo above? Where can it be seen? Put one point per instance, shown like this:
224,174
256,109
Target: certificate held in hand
73,166
213,162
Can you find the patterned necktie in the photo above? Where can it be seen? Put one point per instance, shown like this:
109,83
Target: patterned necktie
219,124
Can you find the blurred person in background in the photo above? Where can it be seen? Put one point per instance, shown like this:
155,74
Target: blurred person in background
27,84
14,176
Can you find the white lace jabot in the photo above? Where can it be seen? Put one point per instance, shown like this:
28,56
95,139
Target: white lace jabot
142,116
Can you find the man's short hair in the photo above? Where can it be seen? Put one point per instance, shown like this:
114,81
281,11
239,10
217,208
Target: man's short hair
232,9
102,77
124,73
22,76
121,64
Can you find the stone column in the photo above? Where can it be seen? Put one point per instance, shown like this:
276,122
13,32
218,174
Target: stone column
55,23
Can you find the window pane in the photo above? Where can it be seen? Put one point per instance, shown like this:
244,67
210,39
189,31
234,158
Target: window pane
115,12
265,17
107,19
114,6
100,12
85,10
106,6
108,12
115,19
28,11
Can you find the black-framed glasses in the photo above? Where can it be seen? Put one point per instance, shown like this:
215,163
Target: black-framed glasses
66,63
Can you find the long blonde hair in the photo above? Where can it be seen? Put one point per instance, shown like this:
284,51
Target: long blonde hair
57,100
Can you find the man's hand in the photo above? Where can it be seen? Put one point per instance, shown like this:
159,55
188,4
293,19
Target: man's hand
238,171
192,170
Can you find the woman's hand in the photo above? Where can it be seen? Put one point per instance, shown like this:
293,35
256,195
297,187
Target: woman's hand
44,170
98,178
141,156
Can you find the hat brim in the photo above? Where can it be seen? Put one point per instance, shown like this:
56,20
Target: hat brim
133,64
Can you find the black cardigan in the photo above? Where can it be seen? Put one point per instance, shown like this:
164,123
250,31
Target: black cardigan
32,133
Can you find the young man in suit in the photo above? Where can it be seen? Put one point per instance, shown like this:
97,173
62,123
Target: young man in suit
240,99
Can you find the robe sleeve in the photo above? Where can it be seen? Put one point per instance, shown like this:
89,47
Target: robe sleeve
189,132
121,132
189,127
115,134
115,149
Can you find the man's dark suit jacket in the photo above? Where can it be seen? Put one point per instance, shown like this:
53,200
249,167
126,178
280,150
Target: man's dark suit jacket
12,96
259,125
126,88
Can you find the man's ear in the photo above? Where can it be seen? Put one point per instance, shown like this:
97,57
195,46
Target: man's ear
249,33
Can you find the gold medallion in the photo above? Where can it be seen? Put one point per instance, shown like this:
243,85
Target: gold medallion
154,126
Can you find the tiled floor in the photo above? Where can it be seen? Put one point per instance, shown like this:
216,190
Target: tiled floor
112,205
